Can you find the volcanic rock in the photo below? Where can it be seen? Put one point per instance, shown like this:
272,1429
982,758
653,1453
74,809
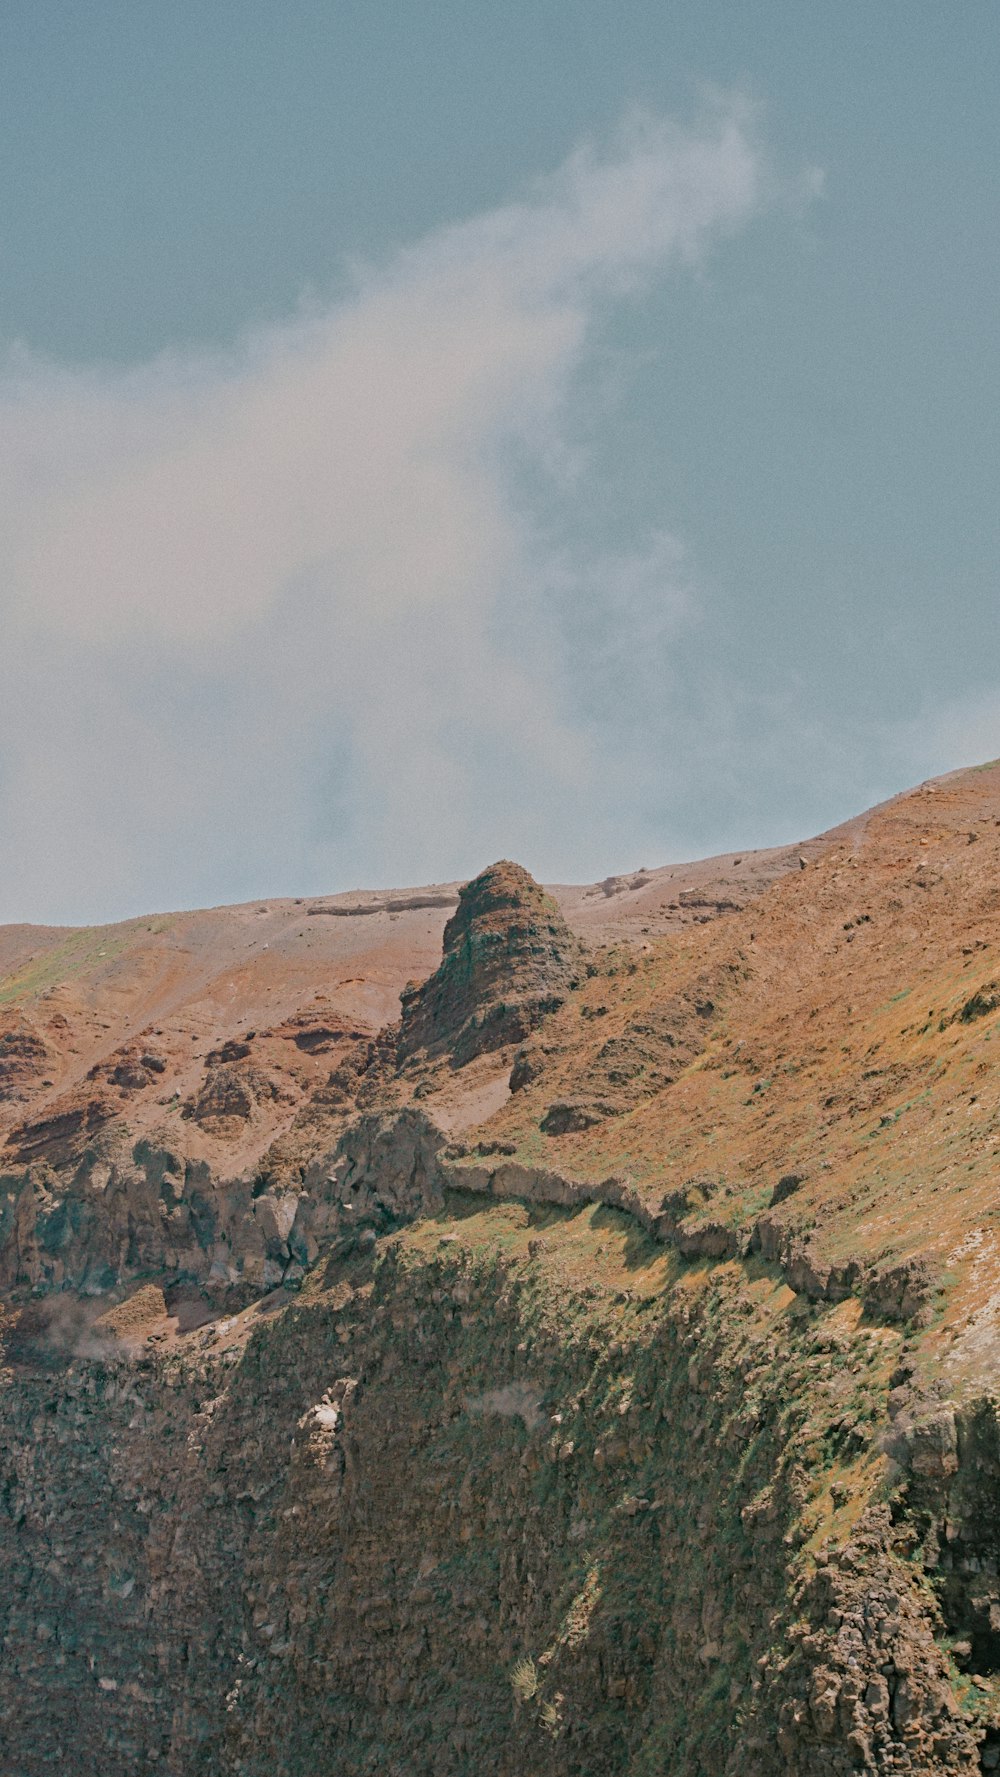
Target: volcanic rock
23,1056
509,961
671,1442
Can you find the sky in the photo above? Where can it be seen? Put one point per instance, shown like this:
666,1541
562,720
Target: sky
437,433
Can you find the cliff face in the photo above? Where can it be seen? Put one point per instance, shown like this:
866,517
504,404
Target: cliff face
642,1419
514,1488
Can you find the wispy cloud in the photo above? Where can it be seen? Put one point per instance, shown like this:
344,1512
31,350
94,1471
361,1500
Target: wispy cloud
290,617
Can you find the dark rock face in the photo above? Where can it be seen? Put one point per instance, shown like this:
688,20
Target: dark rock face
23,1056
509,960
569,1115
232,1092
56,1138
341,1537
383,1172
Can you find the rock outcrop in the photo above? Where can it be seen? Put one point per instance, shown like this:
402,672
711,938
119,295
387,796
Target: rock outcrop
509,961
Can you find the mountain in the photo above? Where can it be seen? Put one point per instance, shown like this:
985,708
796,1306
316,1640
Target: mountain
482,1327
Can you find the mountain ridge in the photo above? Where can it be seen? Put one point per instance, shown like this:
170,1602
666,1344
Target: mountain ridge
617,1399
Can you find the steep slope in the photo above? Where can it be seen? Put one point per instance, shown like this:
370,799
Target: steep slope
646,1423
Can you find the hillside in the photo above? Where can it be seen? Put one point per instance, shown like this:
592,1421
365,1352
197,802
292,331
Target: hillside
482,1327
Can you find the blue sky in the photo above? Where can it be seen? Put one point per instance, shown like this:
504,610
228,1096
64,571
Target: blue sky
432,433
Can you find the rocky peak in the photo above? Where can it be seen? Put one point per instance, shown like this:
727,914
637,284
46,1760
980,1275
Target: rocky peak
509,959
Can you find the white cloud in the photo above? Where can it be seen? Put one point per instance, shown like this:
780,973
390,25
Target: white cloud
285,618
